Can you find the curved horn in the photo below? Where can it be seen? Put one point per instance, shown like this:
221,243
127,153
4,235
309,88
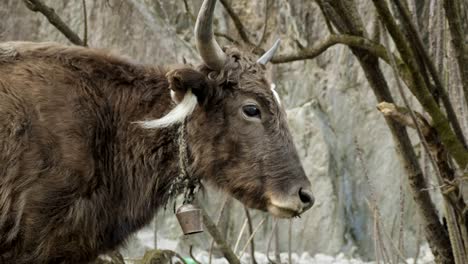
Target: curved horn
209,50
265,58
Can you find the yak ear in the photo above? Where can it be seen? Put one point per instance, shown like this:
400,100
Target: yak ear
184,79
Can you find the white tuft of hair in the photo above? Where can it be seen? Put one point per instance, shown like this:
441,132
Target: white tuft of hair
176,115
275,94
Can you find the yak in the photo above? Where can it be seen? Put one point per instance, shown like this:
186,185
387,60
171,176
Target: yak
90,142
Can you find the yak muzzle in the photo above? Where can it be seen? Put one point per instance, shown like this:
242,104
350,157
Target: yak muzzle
292,205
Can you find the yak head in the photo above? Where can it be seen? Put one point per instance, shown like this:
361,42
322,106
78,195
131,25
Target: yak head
236,130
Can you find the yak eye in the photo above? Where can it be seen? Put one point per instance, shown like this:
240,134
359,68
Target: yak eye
251,111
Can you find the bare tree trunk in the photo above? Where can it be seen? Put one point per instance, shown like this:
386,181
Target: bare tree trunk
347,21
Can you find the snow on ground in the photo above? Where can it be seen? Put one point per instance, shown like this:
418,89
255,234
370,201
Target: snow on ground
426,257
146,241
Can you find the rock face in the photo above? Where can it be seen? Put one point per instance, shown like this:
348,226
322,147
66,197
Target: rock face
330,108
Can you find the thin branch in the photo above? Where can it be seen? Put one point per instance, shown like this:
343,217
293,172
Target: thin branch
379,243
239,237
452,12
177,255
349,40
277,244
85,20
419,47
188,10
401,243
252,245
237,23
270,238
251,237
265,26
226,36
192,256
333,17
218,238
327,21
290,242
218,219
419,88
54,19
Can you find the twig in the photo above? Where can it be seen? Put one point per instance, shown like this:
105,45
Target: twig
85,20
54,19
237,23
275,223
327,21
226,36
241,232
218,238
192,256
188,10
252,244
332,15
418,244
401,244
289,241
452,12
221,210
381,249
265,26
397,250
251,237
372,203
155,232
177,255
277,245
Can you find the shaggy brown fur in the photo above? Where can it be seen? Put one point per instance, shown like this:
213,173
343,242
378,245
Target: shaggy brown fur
78,176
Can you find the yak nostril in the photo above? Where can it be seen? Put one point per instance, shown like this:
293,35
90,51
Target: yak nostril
306,198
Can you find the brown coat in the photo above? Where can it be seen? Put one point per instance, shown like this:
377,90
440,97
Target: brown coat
78,175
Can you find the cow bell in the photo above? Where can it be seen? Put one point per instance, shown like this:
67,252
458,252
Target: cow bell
190,219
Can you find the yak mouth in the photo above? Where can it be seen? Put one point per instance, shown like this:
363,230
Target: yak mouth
284,210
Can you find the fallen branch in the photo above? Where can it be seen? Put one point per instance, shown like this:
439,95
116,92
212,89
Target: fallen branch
218,238
54,19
